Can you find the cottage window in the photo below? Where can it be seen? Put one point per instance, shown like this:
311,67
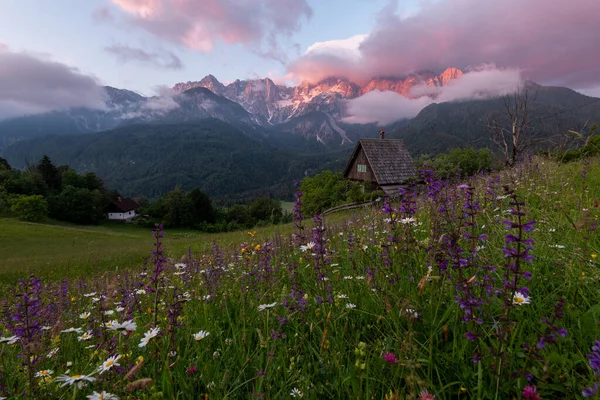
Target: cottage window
362,168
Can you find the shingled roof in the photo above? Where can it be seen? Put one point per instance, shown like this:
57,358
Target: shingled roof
389,160
124,205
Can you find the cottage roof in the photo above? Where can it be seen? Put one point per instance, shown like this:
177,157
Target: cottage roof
124,204
389,160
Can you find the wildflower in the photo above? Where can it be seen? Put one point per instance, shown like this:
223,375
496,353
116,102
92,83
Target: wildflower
200,335
296,393
46,328
78,379
412,312
9,340
124,327
89,294
342,296
109,363
140,291
520,299
530,392
109,312
390,358
191,370
86,336
308,246
257,247
408,220
180,265
44,373
120,309
102,396
84,315
425,395
152,333
69,330
111,324
350,305
594,256
265,306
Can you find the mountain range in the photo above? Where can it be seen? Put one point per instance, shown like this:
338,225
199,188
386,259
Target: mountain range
146,145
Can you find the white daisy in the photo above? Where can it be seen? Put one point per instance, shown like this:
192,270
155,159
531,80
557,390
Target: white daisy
109,312
296,393
520,299
89,294
200,335
152,333
86,336
44,373
342,296
102,396
140,291
78,379
350,305
307,246
46,328
120,309
409,220
265,306
109,363
84,315
9,340
111,324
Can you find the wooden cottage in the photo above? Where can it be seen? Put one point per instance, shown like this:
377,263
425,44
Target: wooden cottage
122,209
384,162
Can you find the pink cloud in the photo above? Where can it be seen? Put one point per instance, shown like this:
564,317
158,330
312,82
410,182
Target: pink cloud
386,107
200,25
551,41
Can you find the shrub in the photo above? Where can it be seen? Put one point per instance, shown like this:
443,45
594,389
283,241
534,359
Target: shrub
30,208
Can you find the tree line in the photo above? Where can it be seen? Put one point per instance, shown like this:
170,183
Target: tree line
44,190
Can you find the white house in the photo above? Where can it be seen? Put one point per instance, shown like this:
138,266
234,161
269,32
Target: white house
122,209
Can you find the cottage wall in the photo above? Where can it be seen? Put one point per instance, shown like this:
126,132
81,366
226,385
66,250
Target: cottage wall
121,216
353,172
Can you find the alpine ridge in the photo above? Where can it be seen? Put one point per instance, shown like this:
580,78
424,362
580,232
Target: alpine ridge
279,103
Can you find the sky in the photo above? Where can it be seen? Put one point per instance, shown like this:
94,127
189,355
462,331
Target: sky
64,49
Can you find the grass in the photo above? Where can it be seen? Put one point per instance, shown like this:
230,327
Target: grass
388,303
57,250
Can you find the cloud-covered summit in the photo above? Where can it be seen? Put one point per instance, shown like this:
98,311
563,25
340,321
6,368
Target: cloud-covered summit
551,41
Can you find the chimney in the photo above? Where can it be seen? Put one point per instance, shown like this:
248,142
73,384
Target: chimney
381,134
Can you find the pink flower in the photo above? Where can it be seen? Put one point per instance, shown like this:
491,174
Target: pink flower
390,358
530,392
425,395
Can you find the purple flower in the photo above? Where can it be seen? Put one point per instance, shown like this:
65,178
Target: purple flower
530,392
390,358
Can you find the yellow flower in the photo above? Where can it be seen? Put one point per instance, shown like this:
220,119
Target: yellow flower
462,389
594,256
72,299
257,247
140,359
251,234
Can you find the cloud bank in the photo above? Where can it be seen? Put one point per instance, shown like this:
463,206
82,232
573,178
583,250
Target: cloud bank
386,107
31,85
161,59
551,41
200,25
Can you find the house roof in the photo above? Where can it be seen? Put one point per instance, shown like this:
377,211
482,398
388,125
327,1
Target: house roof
389,160
124,204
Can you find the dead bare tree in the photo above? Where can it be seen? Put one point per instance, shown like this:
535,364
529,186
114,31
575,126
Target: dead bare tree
513,132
